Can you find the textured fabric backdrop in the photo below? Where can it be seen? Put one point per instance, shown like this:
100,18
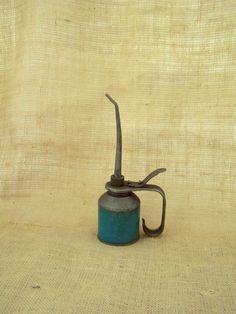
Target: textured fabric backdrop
171,65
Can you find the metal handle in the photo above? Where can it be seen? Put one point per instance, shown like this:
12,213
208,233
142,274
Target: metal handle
143,186
155,188
156,232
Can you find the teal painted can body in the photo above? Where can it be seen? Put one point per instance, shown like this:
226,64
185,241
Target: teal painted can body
118,219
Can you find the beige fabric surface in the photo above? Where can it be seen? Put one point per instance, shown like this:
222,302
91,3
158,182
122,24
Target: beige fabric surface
171,66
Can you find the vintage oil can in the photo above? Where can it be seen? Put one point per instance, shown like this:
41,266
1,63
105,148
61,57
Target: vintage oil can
119,207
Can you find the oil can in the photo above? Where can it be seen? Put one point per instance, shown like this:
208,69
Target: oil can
119,207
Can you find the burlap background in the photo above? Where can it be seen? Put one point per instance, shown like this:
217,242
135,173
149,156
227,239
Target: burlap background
171,67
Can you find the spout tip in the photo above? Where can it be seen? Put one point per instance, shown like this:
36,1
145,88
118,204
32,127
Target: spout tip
162,170
110,98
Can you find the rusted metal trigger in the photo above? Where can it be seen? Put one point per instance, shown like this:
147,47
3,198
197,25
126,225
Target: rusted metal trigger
146,179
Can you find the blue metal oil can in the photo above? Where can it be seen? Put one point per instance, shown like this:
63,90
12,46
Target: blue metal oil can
119,207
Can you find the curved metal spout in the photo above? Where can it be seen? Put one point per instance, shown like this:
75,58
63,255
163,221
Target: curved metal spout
118,159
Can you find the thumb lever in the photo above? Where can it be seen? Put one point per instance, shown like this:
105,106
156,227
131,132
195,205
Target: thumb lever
145,180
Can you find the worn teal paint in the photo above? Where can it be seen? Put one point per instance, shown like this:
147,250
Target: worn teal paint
118,227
